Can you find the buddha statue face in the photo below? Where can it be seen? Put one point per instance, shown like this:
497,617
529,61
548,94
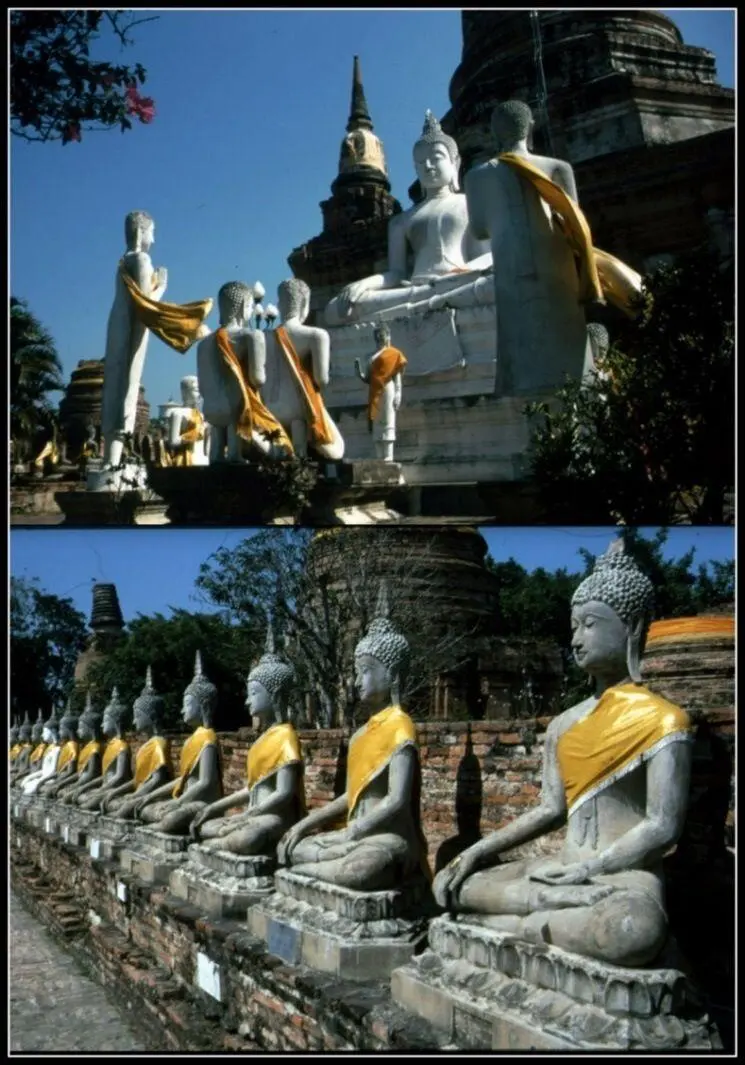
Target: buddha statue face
259,700
47,735
191,708
434,165
599,638
139,231
85,730
373,678
108,725
141,719
67,732
190,391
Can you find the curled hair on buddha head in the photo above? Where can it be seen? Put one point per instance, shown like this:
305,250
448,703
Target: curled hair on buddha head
231,300
271,671
293,297
134,224
24,732
433,133
148,702
116,709
617,581
382,334
513,119
385,643
202,689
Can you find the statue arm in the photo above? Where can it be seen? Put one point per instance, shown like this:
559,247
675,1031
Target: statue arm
256,345
475,199
217,809
92,772
175,420
332,811
360,372
397,802
147,794
209,771
321,355
563,175
285,790
122,772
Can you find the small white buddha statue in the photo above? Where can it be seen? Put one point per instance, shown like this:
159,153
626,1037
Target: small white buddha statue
188,432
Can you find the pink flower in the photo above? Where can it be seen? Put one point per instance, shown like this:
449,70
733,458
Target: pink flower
71,132
142,106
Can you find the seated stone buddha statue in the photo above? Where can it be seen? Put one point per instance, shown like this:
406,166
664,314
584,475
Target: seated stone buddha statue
616,770
381,846
432,251
274,794
49,760
19,772
116,763
19,764
172,807
89,758
152,763
67,762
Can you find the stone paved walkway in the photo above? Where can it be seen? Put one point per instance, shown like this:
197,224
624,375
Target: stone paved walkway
54,1006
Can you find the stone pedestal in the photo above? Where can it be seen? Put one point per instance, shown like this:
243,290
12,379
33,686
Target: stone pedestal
223,884
73,824
134,507
356,935
107,836
491,991
37,811
152,855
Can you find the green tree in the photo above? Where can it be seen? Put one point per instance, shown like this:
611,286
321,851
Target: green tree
169,646
47,634
57,90
650,438
35,371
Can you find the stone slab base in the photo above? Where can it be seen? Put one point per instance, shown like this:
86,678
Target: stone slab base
140,507
488,990
152,856
221,884
355,935
107,836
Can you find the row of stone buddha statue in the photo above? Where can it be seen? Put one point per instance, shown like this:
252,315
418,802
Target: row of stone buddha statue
516,240
615,771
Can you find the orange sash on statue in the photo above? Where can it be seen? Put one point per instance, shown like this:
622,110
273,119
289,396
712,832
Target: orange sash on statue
320,431
384,367
94,747
191,753
254,415
69,753
152,755
177,325
113,749
38,753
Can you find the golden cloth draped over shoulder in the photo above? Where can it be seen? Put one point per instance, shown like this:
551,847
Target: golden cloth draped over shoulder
191,753
21,748
629,725
384,367
194,432
151,756
113,749
38,753
319,429
372,749
254,415
68,753
177,325
601,276
14,752
91,748
278,747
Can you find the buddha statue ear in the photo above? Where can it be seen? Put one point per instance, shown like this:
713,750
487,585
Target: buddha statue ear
396,688
634,649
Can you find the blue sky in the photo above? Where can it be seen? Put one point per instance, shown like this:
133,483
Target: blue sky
251,110
155,569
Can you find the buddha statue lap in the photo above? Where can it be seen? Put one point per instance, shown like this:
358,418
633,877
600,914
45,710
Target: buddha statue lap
434,258
49,760
616,770
274,792
116,762
172,807
152,763
67,762
381,846
89,759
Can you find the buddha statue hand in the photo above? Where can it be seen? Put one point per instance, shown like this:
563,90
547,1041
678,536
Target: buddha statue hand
558,874
196,826
288,842
358,370
352,294
447,882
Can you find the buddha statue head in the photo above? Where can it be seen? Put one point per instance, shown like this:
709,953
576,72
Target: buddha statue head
381,658
89,722
14,730
24,732
139,231
235,302
68,726
190,396
293,297
269,683
114,714
50,733
611,610
511,122
436,157
148,707
200,696
382,335
37,732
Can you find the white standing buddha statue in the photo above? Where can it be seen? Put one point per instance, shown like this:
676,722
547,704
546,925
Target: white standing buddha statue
188,432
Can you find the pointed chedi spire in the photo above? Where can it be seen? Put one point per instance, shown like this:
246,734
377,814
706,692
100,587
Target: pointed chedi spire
359,116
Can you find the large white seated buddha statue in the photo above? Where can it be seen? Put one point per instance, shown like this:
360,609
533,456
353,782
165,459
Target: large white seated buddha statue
434,260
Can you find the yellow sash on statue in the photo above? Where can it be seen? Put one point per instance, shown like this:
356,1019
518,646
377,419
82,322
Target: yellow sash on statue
601,275
69,753
319,429
14,751
151,756
113,749
629,724
177,325
190,754
278,747
254,415
372,749
383,369
194,432
91,748
38,753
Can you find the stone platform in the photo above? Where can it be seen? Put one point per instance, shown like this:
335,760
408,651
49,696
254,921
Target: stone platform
222,884
489,990
108,835
134,507
356,935
151,856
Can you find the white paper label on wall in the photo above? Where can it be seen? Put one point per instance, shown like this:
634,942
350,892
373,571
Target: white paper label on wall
66,833
94,848
47,825
18,811
121,891
18,841
208,976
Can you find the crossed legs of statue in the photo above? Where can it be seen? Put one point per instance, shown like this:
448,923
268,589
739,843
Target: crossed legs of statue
172,815
91,799
619,918
243,834
377,863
